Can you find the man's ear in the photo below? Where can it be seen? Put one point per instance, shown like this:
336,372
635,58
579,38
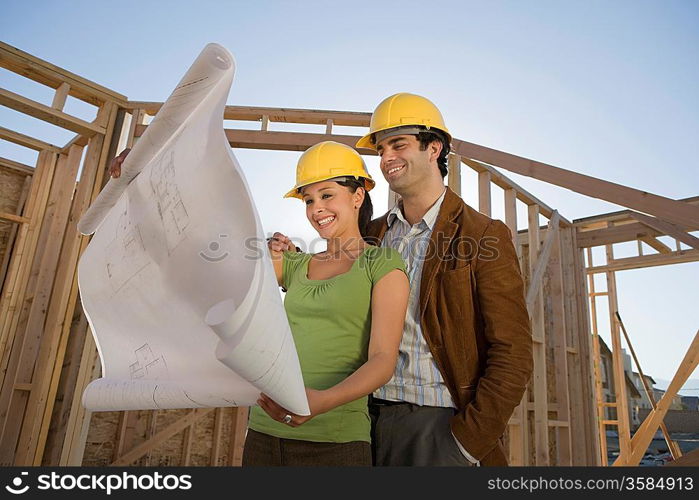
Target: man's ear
435,149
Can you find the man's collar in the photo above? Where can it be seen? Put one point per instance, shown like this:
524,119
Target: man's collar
430,217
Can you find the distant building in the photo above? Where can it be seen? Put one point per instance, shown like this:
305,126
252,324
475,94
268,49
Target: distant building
690,402
636,377
676,401
633,394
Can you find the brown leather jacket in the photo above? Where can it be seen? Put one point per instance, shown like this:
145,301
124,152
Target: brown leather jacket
475,321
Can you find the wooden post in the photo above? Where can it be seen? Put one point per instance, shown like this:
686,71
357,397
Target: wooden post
23,255
125,432
21,368
454,175
484,205
539,384
54,339
580,432
79,418
187,443
511,215
239,423
597,364
59,98
560,352
13,231
216,437
622,407
137,117
519,423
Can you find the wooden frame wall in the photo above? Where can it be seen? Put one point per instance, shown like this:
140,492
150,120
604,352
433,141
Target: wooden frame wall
48,355
604,231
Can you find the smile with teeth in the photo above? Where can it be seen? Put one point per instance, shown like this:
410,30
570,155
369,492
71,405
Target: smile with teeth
394,169
326,221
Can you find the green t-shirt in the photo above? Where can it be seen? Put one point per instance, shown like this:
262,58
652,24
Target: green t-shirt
331,324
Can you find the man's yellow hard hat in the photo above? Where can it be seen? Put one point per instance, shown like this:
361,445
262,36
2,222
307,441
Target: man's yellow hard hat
403,110
328,160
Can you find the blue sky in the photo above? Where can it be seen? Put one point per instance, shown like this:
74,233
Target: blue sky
608,89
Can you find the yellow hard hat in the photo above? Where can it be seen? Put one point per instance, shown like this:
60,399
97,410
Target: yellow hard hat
328,160
403,110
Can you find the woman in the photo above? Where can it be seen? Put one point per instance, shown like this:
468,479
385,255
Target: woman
346,308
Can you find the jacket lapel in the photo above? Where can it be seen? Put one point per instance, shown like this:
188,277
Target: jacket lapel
444,231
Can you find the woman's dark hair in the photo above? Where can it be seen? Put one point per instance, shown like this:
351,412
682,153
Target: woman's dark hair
366,211
428,137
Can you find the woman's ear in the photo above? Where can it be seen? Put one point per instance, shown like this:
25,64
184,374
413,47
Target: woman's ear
358,197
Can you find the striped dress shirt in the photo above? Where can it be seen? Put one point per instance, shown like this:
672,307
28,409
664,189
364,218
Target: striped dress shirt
416,378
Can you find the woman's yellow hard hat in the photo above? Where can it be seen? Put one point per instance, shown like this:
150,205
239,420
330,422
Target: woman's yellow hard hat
328,160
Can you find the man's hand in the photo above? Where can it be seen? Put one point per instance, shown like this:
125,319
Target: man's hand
280,243
115,165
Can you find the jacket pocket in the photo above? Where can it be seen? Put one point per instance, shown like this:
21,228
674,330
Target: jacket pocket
457,323
455,295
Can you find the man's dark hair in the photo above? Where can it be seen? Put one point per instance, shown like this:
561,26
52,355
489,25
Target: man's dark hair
428,137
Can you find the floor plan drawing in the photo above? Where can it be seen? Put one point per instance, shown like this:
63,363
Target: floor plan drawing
181,316
171,209
125,253
147,364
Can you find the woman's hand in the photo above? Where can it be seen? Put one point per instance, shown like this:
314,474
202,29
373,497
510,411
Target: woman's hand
115,164
280,243
317,403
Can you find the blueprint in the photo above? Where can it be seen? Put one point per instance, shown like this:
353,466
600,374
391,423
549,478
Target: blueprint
176,282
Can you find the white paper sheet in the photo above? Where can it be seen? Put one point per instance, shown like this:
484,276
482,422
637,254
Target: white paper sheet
177,283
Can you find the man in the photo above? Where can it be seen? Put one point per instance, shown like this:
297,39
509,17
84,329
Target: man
465,357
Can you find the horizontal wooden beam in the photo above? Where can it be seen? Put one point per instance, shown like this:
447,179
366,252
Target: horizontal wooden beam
674,211
283,115
624,231
41,71
285,141
677,211
558,423
505,183
16,166
614,234
48,114
26,141
14,218
278,141
618,217
669,229
644,261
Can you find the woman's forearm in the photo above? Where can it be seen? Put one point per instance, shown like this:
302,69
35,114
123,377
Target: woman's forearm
366,379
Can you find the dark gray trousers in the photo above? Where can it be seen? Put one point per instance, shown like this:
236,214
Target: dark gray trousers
408,434
269,451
